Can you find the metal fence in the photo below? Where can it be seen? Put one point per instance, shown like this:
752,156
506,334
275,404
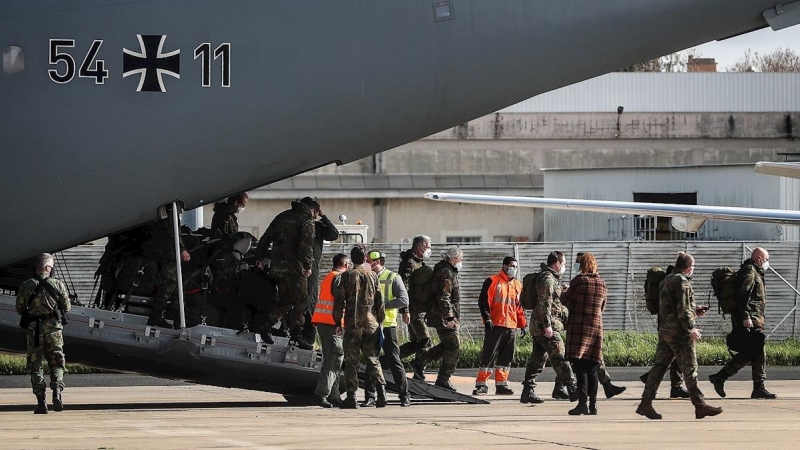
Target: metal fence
623,266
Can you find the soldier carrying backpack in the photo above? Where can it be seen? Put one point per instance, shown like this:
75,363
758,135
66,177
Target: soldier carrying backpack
747,320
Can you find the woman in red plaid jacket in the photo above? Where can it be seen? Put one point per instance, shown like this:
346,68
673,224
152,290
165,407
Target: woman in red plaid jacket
586,300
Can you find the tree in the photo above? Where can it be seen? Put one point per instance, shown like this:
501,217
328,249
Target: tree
674,62
780,60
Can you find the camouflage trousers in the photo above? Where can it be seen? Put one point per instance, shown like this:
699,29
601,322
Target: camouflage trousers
542,347
292,296
739,361
446,350
418,335
680,347
361,341
51,347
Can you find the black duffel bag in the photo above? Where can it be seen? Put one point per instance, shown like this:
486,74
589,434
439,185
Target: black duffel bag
748,343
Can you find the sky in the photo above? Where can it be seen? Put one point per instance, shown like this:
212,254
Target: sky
763,41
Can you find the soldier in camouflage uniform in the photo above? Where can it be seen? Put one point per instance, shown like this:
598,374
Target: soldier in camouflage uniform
545,328
224,224
676,339
752,301
419,337
444,315
44,298
291,235
163,248
357,299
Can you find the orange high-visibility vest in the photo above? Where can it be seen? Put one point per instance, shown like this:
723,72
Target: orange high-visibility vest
504,307
323,312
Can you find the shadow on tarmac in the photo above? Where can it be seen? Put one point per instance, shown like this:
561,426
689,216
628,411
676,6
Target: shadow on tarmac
149,406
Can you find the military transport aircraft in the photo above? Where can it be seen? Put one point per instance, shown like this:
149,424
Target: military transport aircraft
113,108
685,218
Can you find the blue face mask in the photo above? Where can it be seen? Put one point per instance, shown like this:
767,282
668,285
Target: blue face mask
576,267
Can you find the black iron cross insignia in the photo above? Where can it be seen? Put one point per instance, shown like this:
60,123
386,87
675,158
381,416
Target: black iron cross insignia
151,64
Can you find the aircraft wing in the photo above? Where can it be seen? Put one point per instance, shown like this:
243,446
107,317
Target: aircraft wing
686,218
789,170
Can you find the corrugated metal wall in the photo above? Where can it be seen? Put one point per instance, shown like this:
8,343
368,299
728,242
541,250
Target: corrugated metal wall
623,266
735,185
672,92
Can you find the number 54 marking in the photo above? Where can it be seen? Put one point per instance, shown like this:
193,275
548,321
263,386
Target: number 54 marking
98,72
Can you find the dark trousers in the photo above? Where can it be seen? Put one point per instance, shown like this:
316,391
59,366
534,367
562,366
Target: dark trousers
390,360
586,377
498,346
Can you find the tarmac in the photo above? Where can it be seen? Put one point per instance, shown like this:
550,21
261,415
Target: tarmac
179,415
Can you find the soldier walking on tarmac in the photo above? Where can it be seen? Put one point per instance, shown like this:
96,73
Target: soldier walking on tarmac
43,303
357,300
676,339
416,276
444,314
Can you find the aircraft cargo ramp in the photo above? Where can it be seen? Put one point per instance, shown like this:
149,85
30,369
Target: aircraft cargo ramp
202,354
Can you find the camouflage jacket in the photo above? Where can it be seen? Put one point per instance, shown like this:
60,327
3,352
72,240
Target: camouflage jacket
357,294
752,295
291,235
224,224
446,294
548,311
409,262
163,240
677,307
43,304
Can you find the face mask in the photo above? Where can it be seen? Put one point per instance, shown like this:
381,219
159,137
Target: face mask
562,270
375,267
458,265
511,272
240,210
765,266
426,254
576,267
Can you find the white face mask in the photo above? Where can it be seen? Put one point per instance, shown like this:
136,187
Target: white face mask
562,269
240,210
765,266
511,272
426,254
458,265
576,267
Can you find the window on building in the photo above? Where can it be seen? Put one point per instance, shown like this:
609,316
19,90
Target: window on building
503,238
463,239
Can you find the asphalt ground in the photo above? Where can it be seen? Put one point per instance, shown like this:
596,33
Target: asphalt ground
205,417
618,374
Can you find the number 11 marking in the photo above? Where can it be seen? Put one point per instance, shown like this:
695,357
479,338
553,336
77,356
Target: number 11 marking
203,51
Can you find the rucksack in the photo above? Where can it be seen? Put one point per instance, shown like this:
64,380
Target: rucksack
420,289
655,275
725,283
528,296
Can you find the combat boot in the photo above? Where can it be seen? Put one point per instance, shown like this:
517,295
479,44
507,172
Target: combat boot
349,402
321,401
678,392
646,409
405,400
719,383
610,390
572,389
300,342
529,396
369,400
444,382
58,404
41,405
560,392
759,391
419,369
503,390
158,321
703,409
581,409
381,391
481,390
335,400
592,408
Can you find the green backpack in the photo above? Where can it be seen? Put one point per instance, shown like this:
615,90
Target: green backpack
655,275
725,282
420,289
527,298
